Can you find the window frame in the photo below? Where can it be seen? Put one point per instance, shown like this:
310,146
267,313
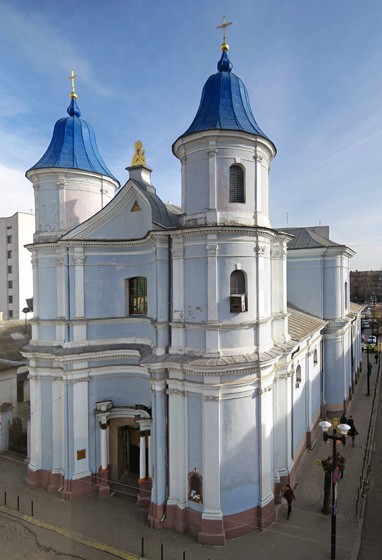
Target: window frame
236,191
136,295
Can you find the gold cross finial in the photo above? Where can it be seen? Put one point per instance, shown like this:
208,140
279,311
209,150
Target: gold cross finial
71,77
223,26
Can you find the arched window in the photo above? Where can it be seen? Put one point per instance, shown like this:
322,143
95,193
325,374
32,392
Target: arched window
136,289
346,295
238,292
195,487
236,184
298,376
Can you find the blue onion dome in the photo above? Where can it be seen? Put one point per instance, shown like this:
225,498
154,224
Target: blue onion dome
225,103
73,145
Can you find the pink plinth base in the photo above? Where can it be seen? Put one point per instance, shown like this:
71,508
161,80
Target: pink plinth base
53,482
78,488
144,485
56,482
212,532
156,512
103,483
209,531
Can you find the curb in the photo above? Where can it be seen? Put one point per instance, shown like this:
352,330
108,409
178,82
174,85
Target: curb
357,544
69,535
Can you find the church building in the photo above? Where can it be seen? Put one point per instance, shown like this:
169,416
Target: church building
193,350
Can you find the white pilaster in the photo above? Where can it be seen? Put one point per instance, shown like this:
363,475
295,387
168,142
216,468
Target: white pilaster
177,445
266,445
57,424
150,459
178,334
211,455
35,426
142,456
80,426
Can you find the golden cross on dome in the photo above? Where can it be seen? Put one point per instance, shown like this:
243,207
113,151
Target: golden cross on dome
71,77
223,26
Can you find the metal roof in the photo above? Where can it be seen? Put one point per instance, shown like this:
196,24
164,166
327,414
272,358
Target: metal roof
13,337
304,238
224,104
73,146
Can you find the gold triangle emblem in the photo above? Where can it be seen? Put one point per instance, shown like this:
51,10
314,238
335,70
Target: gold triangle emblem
136,207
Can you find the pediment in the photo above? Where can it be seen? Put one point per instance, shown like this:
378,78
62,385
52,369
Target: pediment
127,216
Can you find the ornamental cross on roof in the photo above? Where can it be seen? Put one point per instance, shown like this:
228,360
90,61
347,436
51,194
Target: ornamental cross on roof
223,26
71,77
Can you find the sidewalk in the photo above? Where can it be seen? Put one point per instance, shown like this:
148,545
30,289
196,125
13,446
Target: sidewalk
115,521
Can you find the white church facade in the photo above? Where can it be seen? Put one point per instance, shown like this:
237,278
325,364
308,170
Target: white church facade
193,348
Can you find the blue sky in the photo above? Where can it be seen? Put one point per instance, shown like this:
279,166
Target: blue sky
312,69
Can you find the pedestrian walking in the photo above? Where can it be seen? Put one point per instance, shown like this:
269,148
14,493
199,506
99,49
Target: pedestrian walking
343,419
289,496
376,358
353,430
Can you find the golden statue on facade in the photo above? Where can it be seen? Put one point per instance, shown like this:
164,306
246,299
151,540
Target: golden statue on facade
139,155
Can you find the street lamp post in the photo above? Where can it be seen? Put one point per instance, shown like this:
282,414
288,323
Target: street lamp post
343,428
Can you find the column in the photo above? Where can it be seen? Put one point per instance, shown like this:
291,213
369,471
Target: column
34,466
62,293
212,334
176,429
177,280
150,456
104,443
159,490
142,456
56,479
79,329
212,530
212,202
265,431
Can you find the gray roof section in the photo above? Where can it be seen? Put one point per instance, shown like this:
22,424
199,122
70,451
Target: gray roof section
301,325
164,215
310,237
13,337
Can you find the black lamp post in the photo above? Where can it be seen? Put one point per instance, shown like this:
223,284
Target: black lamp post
336,474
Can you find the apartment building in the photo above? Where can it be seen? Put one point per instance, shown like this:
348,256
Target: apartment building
16,279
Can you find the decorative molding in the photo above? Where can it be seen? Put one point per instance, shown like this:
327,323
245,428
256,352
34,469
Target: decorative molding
260,250
78,260
213,398
212,152
176,392
60,261
77,380
212,250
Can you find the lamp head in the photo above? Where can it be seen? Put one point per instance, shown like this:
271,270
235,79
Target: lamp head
325,425
344,428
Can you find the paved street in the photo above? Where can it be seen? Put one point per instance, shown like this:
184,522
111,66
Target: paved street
116,522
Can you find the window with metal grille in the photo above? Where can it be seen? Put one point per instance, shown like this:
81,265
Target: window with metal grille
237,282
137,295
236,184
238,296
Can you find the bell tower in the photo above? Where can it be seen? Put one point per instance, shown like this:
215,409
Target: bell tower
71,181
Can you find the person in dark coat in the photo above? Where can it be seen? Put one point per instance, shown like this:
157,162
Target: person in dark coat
289,496
353,431
343,419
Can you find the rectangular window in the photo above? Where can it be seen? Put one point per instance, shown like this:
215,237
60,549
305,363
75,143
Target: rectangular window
10,269
137,295
10,299
10,314
10,284
9,238
9,254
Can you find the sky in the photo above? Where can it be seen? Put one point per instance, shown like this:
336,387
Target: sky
312,69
